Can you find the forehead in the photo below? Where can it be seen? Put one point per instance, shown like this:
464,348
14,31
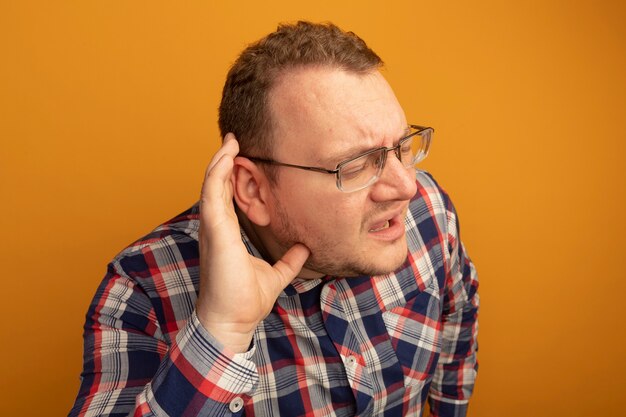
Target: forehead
322,113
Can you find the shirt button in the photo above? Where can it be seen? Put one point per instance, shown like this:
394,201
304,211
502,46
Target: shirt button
351,360
235,405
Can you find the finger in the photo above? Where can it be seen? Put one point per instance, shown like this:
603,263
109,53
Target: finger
219,170
217,184
229,147
290,265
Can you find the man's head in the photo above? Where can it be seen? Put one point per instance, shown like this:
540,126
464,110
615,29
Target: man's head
244,108
319,106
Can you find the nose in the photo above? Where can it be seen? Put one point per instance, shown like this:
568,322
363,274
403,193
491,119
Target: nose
396,182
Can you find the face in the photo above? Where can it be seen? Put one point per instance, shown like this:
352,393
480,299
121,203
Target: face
321,117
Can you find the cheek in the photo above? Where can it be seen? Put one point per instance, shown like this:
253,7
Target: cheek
344,221
322,212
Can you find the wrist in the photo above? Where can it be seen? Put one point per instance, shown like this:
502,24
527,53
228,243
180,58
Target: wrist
234,337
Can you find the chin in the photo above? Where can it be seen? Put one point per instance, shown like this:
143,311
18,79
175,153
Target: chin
389,266
370,263
390,259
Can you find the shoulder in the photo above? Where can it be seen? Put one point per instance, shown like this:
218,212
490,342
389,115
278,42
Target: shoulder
151,284
431,203
171,245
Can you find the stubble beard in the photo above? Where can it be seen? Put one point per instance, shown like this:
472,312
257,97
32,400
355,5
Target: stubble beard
325,257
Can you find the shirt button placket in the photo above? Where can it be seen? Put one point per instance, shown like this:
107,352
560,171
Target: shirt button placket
351,361
236,405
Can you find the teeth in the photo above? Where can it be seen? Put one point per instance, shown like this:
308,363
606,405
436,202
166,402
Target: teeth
384,226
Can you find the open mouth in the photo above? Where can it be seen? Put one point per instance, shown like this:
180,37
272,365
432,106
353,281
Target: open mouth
380,226
388,230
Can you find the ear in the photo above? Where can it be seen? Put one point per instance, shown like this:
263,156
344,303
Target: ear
250,190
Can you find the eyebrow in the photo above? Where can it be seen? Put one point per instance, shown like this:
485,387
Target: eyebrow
356,151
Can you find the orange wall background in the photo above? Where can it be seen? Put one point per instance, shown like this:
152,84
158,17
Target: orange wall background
108,119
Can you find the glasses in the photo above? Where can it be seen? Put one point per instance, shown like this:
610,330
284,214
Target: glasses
365,169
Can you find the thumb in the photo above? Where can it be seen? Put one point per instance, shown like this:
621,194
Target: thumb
290,265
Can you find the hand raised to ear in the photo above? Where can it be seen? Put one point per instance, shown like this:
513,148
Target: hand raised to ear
237,290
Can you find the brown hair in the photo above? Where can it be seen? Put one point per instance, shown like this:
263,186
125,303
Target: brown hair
244,107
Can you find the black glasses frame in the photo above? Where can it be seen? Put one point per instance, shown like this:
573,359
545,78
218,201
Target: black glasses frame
384,150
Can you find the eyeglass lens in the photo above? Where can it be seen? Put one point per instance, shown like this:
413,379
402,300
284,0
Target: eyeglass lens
363,171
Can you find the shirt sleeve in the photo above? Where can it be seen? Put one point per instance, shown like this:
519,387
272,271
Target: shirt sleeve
453,381
130,368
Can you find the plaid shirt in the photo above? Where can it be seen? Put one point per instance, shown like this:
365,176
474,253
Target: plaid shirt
366,346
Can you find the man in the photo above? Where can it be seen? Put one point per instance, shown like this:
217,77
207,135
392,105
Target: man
370,306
